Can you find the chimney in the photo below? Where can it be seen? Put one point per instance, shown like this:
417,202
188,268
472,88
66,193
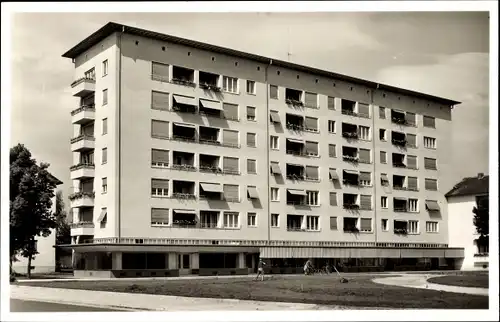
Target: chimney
480,175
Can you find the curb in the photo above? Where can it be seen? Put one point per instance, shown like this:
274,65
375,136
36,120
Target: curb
114,307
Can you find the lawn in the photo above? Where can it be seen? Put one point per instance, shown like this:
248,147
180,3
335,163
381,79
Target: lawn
466,280
327,290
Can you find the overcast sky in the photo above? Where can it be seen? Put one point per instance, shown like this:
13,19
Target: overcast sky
445,54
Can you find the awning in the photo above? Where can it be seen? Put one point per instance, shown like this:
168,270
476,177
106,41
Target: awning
297,192
351,172
252,193
275,117
184,212
383,177
212,187
432,205
295,141
190,126
334,175
103,214
275,169
184,100
400,198
211,104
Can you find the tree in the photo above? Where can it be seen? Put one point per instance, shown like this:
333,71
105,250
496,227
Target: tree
31,192
481,220
63,229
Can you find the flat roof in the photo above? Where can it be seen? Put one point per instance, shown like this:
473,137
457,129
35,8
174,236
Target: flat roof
112,27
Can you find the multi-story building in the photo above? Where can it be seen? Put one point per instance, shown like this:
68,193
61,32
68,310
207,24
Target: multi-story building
462,199
192,158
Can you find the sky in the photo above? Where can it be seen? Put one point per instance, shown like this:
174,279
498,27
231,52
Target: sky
441,53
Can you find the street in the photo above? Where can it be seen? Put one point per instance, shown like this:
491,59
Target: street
32,306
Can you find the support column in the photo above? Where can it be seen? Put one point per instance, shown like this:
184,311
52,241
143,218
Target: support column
172,261
116,260
241,260
195,261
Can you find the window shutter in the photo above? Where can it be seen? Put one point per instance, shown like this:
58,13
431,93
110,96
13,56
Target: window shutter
411,140
273,91
430,184
312,172
366,202
159,129
159,183
230,111
311,123
364,155
333,223
251,166
366,224
363,110
365,176
331,103
430,163
231,192
160,100
230,137
160,72
251,139
332,151
383,157
311,99
230,164
412,183
381,113
333,199
251,111
312,148
159,215
159,156
429,121
411,161
410,118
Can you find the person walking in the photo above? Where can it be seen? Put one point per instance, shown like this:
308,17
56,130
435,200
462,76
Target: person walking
307,267
260,269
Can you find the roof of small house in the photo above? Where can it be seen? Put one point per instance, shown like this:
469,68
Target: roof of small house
470,186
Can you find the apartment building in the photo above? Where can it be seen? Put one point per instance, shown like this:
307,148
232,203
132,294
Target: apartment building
196,159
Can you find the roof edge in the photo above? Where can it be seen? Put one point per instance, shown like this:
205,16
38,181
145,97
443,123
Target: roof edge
112,27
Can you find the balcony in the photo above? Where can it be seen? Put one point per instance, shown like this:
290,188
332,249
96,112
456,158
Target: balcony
82,228
350,206
83,87
82,143
398,118
398,139
293,97
183,196
82,199
83,115
348,107
82,171
209,82
183,76
400,231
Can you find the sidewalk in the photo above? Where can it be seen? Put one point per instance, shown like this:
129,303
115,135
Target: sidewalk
149,302
420,281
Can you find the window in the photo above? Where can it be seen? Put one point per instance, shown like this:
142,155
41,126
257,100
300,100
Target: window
365,179
311,124
230,165
159,187
381,113
273,91
411,140
364,133
431,226
333,223
275,220
104,126
430,184
382,134
412,226
105,68
429,143
331,126
250,87
413,205
429,121
251,113
312,148
365,156
104,96
383,157
230,111
274,142
430,163
411,162
230,84
231,220
251,140
159,158
384,223
365,202
104,185
384,180
312,198
275,194
160,72
160,129
311,100
251,166
366,224
231,192
333,199
104,155
313,223
252,219
331,103
332,151
383,202
159,216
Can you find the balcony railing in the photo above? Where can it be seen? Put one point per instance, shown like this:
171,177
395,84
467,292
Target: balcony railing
295,229
401,231
398,165
296,153
81,80
210,169
294,102
183,138
295,177
81,194
351,206
350,135
183,81
294,127
350,182
208,225
82,224
400,209
210,87
182,109
83,108
183,167
209,141
399,142
349,112
82,166
350,158
351,230
396,187
184,223
296,203
398,120
83,137
181,195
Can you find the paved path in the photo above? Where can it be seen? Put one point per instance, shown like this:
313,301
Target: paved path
150,302
32,306
420,281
